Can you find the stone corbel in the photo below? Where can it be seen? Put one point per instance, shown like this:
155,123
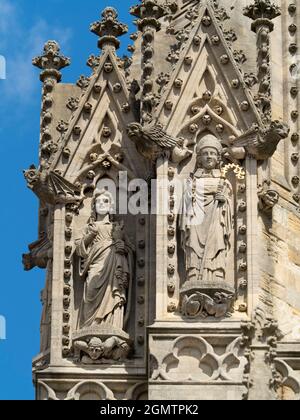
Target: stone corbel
98,345
268,198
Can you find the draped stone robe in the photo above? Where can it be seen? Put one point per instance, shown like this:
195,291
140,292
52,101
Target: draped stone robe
205,228
107,275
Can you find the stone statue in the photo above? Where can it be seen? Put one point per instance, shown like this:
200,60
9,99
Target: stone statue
206,222
106,269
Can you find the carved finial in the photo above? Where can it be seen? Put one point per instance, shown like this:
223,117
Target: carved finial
262,9
109,29
51,62
148,12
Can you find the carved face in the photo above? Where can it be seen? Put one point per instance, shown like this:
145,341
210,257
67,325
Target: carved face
103,204
31,175
95,352
271,198
281,129
208,158
134,130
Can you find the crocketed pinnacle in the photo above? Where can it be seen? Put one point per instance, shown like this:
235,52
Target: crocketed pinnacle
109,29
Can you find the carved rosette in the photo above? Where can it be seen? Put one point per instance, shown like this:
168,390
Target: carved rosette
292,85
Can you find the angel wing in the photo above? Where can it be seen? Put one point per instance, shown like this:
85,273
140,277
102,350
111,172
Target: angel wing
262,142
51,187
160,137
153,141
248,138
60,187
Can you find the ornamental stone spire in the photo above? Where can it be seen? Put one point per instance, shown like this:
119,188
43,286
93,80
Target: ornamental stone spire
109,29
148,12
262,10
51,62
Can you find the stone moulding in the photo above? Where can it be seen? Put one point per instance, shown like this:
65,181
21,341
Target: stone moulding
208,367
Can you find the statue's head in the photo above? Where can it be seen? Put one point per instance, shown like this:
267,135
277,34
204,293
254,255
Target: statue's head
103,203
209,152
96,348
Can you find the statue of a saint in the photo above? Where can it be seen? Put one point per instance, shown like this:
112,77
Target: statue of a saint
206,222
106,268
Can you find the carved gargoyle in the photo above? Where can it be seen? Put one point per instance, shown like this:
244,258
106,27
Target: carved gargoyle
152,141
201,305
96,350
51,187
268,198
40,252
261,143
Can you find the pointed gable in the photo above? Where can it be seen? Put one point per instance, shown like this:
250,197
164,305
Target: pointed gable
206,91
97,129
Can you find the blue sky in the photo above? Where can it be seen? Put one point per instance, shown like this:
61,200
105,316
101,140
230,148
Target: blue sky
25,25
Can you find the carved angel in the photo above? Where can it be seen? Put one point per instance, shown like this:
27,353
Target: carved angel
153,141
261,143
